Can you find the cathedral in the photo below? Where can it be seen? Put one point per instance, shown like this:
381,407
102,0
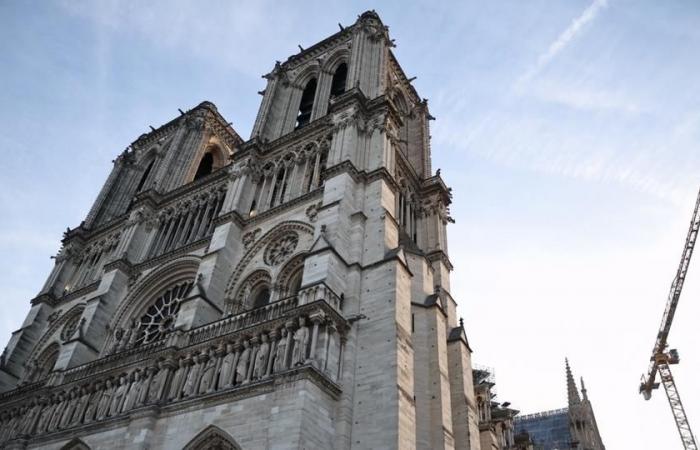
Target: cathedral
287,291
571,427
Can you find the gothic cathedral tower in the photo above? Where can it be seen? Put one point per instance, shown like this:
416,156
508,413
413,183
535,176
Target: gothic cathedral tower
288,291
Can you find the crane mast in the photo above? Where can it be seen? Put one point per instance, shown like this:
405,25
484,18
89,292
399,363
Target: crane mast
660,357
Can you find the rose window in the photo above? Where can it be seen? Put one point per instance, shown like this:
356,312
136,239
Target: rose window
160,316
281,249
71,325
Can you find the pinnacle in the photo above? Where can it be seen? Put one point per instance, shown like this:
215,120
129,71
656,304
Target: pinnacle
571,390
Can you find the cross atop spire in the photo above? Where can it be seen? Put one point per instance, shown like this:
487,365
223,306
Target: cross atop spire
571,389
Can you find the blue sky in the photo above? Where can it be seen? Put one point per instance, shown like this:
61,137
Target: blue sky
569,131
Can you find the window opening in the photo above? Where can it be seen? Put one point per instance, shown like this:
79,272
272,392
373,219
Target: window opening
262,297
278,187
144,177
206,165
339,79
307,103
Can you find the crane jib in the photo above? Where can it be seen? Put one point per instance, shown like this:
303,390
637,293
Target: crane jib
660,360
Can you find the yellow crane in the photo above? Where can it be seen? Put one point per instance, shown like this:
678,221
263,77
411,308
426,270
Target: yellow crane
661,358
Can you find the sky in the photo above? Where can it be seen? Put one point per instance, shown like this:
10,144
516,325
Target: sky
568,131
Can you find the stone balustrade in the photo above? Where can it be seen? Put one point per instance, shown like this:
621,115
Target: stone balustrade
233,354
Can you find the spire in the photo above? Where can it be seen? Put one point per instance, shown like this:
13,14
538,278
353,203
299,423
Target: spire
571,389
583,390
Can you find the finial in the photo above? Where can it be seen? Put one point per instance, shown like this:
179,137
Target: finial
584,392
461,322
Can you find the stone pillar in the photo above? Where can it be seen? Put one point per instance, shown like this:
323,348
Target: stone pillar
316,319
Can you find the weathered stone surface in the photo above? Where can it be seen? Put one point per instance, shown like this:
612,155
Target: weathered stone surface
291,291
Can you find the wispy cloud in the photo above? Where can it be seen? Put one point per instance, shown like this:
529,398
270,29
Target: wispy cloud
563,40
577,95
190,28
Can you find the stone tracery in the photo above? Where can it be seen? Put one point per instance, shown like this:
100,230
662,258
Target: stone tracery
159,317
280,249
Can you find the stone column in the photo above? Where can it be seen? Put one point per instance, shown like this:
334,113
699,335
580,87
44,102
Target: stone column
274,337
290,325
316,319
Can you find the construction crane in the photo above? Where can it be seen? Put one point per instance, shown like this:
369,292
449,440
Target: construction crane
661,358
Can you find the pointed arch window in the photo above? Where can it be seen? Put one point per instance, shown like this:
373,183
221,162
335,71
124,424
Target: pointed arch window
40,368
206,166
279,188
339,80
260,296
307,104
145,175
295,282
75,444
212,438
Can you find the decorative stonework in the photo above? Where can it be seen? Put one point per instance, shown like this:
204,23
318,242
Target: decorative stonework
312,212
54,315
71,326
279,250
250,238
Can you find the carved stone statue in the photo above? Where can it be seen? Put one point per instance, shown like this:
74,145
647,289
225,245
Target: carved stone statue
192,375
118,397
93,402
4,425
133,335
226,372
105,401
281,352
176,383
30,417
243,361
261,358
145,382
71,403
118,335
45,416
80,407
301,342
157,380
134,390
13,423
57,412
207,380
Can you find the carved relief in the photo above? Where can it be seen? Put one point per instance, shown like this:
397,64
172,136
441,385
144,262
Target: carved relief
250,238
312,212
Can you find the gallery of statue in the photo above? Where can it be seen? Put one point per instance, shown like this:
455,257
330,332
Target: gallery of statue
288,291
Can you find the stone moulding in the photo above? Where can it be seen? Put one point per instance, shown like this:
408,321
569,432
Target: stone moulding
55,301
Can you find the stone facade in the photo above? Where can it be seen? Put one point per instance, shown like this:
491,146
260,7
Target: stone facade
288,291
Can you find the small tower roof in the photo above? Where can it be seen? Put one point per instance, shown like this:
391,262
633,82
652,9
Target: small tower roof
571,390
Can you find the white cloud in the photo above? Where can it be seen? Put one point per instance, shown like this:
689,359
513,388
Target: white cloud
563,40
584,98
